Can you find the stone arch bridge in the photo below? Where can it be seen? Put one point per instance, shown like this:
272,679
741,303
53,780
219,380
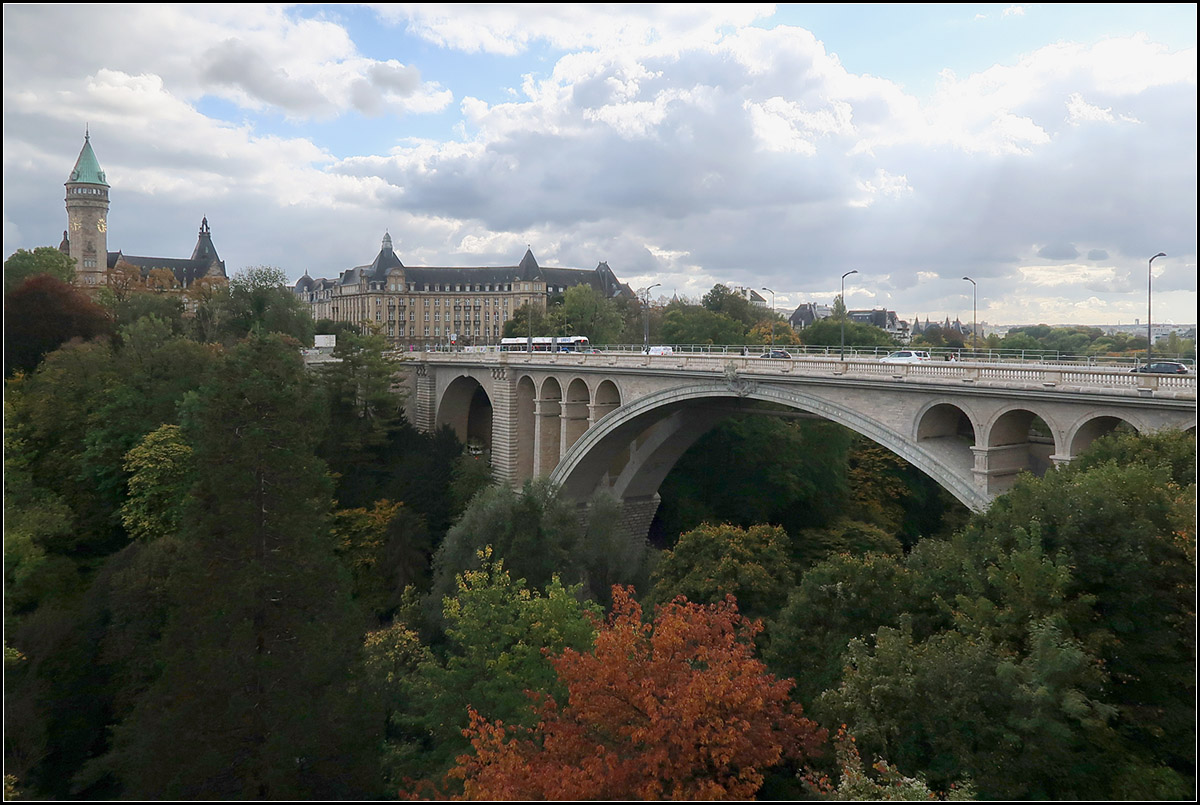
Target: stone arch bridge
618,422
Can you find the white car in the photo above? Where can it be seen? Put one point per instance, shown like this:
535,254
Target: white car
906,356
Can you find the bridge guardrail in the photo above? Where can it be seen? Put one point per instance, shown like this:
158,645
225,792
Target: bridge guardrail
1030,374
943,354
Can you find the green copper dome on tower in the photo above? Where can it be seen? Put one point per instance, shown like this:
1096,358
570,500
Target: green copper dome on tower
87,167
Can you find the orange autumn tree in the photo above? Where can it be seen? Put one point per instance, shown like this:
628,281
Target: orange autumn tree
679,708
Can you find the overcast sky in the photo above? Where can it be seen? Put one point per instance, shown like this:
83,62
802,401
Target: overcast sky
1046,151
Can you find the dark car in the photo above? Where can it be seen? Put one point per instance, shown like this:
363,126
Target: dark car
1163,368
776,353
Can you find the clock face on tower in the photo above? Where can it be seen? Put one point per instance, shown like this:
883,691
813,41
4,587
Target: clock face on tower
101,225
76,226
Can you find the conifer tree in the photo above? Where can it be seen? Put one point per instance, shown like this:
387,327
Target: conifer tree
252,701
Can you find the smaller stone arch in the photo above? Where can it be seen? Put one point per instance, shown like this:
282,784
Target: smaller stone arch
549,426
575,411
1091,429
1018,440
947,431
466,408
525,428
607,398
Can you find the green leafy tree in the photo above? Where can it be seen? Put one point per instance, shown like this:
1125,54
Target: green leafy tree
1128,532
160,473
608,556
856,784
167,307
259,299
840,599
1046,651
153,371
364,415
1170,450
472,475
827,332
23,264
387,549
786,472
951,707
546,321
338,328
713,561
726,302
689,324
838,311
54,410
843,535
500,634
586,312
35,520
252,700
534,531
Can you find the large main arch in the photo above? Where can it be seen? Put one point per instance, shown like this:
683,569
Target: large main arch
632,448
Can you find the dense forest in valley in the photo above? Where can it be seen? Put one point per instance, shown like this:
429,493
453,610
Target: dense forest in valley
231,577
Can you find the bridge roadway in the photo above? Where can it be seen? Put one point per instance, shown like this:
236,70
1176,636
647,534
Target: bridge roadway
618,422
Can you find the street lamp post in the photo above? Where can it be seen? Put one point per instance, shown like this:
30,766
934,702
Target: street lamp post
974,315
1149,281
845,312
645,294
768,290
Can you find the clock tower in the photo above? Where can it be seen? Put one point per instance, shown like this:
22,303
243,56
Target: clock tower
87,218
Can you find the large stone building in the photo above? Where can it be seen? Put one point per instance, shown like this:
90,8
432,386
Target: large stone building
86,237
420,306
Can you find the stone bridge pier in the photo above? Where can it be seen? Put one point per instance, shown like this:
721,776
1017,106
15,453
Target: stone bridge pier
618,423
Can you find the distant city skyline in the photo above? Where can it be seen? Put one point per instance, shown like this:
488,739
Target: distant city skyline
1047,151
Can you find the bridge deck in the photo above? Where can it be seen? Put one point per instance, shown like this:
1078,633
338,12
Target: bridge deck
1014,376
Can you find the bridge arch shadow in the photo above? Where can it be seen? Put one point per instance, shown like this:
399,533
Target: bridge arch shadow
1091,429
467,409
633,447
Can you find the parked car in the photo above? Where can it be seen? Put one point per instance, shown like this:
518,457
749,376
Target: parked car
776,353
906,356
1163,368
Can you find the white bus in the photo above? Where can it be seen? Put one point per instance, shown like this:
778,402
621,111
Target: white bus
553,343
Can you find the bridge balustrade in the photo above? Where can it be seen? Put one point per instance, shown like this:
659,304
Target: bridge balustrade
1009,373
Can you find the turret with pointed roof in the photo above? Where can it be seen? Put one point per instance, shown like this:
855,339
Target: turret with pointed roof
86,240
87,237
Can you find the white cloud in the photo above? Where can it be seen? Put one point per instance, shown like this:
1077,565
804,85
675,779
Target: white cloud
512,28
1080,111
673,141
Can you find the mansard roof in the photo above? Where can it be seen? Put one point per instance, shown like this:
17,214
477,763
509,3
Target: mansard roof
204,261
601,278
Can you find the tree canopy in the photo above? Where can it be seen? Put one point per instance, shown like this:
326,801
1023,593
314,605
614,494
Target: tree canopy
44,260
678,708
